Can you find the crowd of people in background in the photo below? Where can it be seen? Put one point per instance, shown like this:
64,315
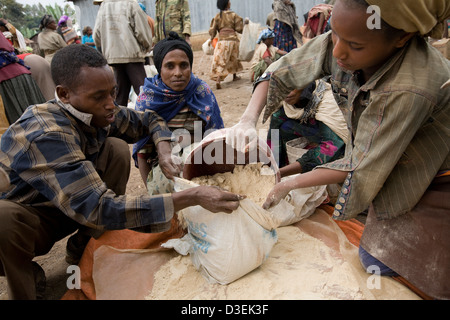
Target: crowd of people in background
303,106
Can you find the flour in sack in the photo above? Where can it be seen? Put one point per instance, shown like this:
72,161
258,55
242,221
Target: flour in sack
253,180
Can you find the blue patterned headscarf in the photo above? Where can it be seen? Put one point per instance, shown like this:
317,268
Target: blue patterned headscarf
7,55
157,96
7,58
265,34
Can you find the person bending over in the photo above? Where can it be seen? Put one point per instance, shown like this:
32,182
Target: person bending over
68,163
389,84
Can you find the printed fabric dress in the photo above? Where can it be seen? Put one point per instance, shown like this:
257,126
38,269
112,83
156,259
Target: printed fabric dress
284,37
324,146
225,61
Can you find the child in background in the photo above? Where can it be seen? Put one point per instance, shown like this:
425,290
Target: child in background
265,54
87,38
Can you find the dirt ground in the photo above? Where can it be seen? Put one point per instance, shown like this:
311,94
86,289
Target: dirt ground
232,98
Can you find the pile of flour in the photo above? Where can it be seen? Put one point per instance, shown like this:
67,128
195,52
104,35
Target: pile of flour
252,180
299,267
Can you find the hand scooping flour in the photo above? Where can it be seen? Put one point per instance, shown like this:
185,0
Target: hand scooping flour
253,180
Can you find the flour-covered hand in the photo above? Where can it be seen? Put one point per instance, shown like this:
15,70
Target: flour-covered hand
278,192
242,137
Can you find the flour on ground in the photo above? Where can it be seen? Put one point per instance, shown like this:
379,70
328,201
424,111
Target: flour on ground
299,267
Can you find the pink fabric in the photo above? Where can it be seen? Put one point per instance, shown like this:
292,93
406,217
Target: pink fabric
12,70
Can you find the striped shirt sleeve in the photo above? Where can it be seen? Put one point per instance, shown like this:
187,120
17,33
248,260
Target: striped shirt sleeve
46,156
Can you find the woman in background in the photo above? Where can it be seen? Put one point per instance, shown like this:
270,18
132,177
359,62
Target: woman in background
389,84
287,31
65,29
49,40
18,90
183,100
265,54
226,23
17,39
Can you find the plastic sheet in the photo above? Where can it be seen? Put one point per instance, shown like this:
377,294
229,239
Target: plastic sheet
282,276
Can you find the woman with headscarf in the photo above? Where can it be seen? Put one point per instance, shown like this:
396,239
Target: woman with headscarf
66,31
14,35
389,83
316,21
265,54
226,53
287,31
18,90
49,40
183,100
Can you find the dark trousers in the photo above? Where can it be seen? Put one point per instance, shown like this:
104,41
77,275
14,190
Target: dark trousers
27,232
128,75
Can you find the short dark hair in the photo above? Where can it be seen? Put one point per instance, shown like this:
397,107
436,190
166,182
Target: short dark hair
68,61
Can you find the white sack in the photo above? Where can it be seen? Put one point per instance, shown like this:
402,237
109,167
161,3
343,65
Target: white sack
247,44
207,48
225,247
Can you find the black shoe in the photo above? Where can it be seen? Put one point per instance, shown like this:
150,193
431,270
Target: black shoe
40,280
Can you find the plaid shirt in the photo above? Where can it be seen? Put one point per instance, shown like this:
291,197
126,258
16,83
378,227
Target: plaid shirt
399,122
50,154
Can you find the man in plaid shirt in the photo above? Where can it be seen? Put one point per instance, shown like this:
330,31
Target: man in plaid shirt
68,163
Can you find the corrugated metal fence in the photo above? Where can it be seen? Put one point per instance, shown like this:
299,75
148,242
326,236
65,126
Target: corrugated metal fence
202,11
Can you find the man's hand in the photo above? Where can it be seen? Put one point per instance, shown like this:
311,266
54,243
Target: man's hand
211,198
215,199
317,177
